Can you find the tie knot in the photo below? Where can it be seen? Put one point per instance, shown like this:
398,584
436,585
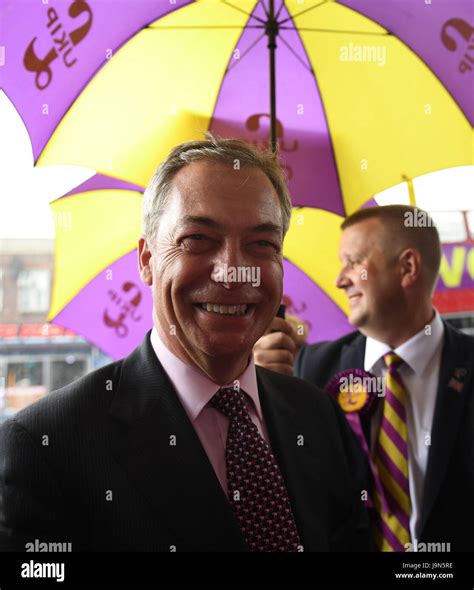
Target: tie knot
230,402
392,360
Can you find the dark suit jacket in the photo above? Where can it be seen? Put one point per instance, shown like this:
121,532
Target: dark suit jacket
448,502
92,464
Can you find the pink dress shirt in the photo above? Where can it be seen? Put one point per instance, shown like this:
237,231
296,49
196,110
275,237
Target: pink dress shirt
195,391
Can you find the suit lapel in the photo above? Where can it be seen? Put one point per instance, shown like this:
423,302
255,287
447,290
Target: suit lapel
158,447
451,396
299,464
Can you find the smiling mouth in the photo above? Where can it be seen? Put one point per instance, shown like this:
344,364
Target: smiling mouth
230,310
354,297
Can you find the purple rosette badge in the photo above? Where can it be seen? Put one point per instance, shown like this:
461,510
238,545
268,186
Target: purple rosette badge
355,390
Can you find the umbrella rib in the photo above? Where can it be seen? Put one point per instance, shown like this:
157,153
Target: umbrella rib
240,10
280,9
303,63
196,27
385,34
249,48
303,11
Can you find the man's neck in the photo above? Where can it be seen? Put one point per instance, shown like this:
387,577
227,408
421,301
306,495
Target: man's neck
401,331
222,370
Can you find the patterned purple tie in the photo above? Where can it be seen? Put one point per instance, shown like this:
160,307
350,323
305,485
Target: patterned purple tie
256,489
391,459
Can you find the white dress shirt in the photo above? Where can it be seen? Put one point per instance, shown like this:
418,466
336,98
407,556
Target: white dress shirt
420,373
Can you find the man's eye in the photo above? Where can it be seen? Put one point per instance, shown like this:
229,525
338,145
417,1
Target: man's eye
196,243
267,244
193,238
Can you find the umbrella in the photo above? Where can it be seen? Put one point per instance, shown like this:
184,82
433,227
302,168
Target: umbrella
358,105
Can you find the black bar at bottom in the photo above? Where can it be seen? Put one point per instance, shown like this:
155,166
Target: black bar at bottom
20,570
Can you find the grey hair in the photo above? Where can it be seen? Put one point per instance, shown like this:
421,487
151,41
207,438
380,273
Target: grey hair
226,151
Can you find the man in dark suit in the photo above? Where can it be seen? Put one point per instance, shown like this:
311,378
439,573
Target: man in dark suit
184,445
389,271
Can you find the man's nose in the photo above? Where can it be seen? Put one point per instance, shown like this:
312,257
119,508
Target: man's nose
342,280
226,267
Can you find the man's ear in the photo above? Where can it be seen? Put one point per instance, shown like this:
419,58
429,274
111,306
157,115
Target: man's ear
144,261
411,267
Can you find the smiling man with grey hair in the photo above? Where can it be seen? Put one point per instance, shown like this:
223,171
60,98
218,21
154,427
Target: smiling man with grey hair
184,445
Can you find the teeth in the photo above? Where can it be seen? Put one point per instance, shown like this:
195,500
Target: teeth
225,309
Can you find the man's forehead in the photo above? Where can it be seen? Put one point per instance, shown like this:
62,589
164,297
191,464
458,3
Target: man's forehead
213,193
364,230
218,172
261,226
359,237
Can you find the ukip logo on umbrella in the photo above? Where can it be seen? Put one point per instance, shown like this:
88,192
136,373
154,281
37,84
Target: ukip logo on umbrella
62,43
128,308
462,39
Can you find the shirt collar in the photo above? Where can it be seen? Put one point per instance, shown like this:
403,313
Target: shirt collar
417,352
194,388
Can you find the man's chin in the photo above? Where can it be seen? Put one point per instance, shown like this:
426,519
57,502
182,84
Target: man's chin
356,319
226,345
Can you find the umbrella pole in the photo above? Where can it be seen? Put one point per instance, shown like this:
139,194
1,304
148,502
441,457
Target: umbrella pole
411,190
272,32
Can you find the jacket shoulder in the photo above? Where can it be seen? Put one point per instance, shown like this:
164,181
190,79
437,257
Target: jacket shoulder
82,400
466,340
330,346
318,362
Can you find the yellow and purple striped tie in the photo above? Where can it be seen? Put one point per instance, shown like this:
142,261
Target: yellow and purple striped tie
391,459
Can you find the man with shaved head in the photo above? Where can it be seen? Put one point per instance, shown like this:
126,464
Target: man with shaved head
390,268
419,431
